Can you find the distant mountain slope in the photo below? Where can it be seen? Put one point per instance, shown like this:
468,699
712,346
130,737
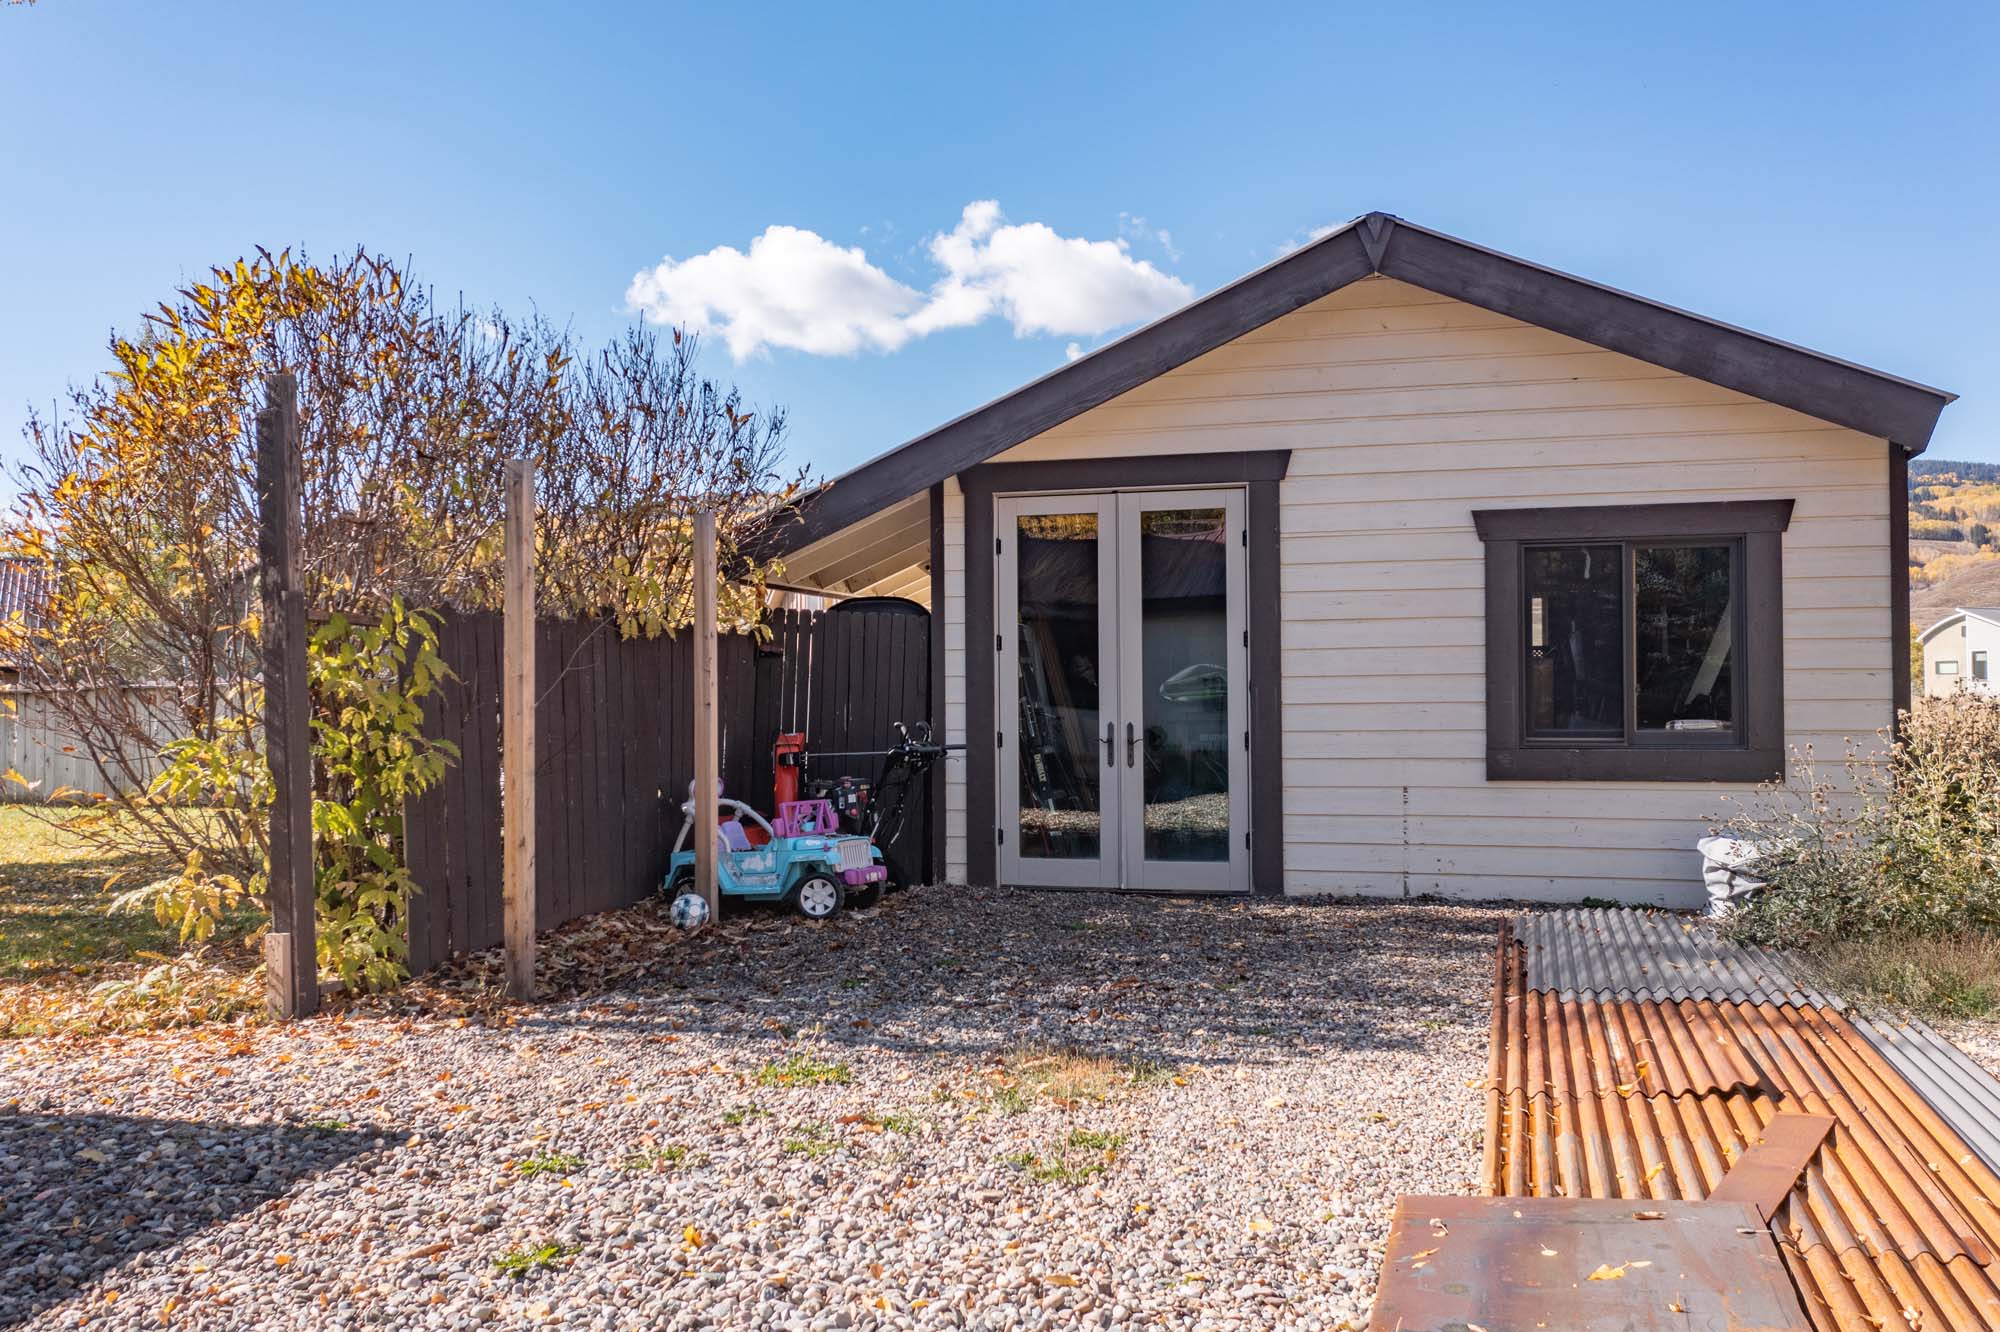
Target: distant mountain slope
1975,586
1954,537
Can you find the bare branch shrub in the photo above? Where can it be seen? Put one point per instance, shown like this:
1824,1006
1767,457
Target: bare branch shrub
1910,846
139,495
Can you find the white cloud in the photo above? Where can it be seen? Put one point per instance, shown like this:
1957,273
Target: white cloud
1292,243
796,290
793,289
1071,352
1135,228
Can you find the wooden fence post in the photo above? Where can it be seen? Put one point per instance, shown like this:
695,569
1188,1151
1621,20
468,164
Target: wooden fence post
707,710
517,733
291,954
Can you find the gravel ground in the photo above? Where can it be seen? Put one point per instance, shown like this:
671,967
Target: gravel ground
1981,1040
975,1110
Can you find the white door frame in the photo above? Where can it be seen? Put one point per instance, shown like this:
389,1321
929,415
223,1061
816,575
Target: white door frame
1036,871
1181,876
1121,862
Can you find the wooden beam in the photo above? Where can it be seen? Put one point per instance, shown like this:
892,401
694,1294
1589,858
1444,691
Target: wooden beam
291,953
707,710
517,733
861,545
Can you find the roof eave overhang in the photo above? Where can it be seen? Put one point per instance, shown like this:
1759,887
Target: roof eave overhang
1897,410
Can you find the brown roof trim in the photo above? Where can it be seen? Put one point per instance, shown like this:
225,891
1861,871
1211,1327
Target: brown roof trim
1821,386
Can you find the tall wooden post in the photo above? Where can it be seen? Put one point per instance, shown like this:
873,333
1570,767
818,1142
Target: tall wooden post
291,955
517,733
707,712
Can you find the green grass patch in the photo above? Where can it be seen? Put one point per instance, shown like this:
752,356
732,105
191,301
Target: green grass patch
53,917
549,1163
328,1125
1082,1155
810,1140
906,1124
669,1157
739,1115
524,1261
803,1070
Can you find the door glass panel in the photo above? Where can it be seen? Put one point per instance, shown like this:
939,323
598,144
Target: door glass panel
1576,624
1685,600
1184,682
1060,734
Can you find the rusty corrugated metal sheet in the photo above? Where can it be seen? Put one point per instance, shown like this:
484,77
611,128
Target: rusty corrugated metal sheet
1894,1212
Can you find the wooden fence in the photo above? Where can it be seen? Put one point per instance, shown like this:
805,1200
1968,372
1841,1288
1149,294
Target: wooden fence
614,753
37,743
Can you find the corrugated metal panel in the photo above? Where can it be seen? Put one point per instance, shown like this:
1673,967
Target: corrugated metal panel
1963,1092
1894,1222
1614,953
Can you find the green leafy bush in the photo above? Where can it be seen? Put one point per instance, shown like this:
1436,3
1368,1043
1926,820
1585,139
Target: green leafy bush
368,683
1908,845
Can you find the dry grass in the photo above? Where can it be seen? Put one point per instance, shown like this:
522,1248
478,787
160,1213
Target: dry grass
1953,976
1068,1076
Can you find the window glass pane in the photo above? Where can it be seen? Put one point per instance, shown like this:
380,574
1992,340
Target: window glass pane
1184,675
1979,665
1684,625
1060,757
1576,663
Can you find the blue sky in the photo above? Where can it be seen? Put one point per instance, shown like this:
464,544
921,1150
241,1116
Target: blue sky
1831,181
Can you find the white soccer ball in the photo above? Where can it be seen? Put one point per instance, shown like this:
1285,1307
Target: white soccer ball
689,911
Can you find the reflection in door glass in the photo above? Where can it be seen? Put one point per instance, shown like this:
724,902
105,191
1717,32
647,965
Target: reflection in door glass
1184,681
1060,763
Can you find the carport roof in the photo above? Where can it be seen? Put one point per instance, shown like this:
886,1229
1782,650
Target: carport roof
1898,410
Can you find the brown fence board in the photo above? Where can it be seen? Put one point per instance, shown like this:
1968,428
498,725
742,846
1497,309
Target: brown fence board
615,751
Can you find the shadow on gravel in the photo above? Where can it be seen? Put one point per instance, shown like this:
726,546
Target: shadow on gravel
1141,979
82,1194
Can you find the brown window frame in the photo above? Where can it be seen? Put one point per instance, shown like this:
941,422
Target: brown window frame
1753,752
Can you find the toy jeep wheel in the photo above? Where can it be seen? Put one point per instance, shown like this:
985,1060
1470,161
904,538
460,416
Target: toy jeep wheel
816,897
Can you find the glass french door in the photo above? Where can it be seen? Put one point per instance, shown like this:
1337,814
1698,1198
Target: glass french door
1123,691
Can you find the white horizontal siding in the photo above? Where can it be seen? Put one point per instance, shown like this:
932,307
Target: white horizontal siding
1405,411
954,679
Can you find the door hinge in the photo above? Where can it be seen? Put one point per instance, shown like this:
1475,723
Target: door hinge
999,643
1246,841
999,837
1246,740
1246,638
1246,538
999,739
996,545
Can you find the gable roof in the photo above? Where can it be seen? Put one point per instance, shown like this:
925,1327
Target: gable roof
25,586
1991,615
1899,410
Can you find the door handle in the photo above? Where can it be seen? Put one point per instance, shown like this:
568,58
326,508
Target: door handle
1131,744
1111,744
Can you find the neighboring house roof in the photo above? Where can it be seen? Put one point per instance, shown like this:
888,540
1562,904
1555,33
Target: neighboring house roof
24,592
1991,615
1886,406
